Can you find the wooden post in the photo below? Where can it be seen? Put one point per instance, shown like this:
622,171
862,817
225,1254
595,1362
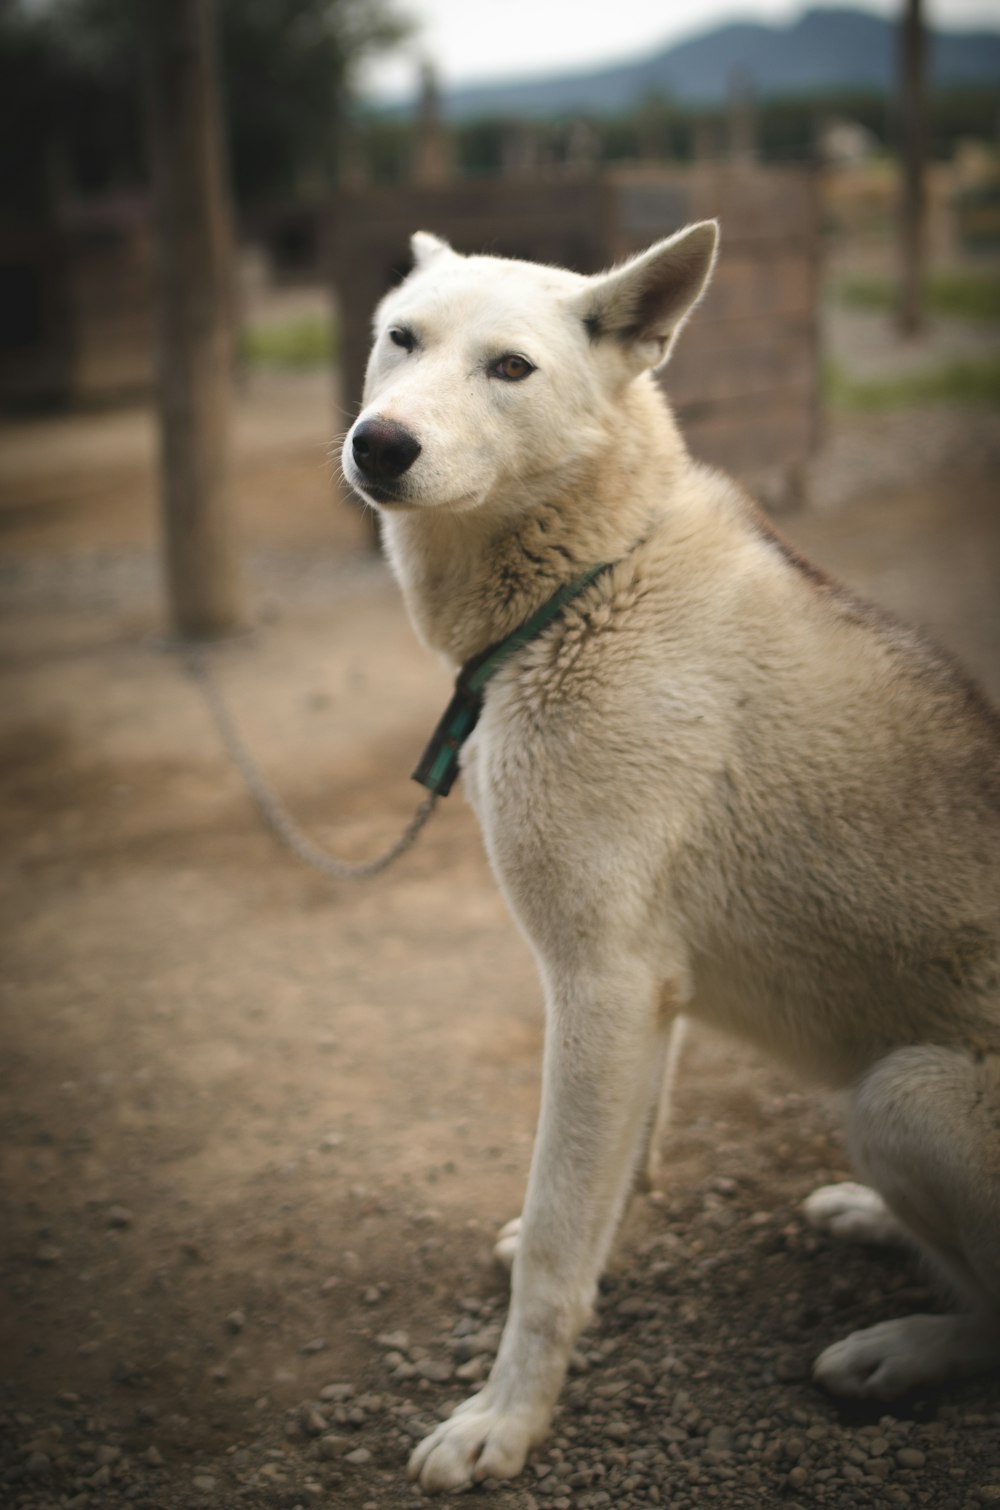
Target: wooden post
742,116
433,155
196,310
912,154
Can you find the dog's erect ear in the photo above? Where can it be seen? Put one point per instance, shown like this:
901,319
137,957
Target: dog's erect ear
426,248
645,303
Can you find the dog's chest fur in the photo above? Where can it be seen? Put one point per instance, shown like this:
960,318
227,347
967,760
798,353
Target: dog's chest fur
715,755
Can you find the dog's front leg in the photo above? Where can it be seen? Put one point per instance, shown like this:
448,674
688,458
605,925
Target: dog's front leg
600,1036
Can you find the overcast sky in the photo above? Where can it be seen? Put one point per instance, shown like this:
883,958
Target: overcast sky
476,40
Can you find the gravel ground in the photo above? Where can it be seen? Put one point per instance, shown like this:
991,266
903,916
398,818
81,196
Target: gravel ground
691,1388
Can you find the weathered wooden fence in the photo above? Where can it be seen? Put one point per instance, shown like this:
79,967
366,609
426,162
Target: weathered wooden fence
76,315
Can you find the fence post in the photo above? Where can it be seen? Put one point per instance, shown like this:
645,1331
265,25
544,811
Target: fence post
912,156
196,316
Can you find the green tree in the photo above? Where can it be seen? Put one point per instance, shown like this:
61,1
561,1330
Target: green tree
72,111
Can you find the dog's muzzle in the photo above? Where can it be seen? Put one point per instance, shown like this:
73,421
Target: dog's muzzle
383,451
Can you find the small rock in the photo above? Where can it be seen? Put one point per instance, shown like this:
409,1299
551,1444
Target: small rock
314,1345
436,1370
910,1457
38,1465
46,1254
336,1391
107,1455
47,1440
119,1216
235,1322
204,1482
359,1456
397,1340
153,1457
334,1446
313,1423
474,1371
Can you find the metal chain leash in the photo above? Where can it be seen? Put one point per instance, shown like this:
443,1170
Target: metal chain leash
273,810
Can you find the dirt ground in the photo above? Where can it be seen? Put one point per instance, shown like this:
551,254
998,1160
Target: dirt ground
259,1129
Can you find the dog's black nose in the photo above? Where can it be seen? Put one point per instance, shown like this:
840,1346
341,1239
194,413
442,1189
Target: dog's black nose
384,450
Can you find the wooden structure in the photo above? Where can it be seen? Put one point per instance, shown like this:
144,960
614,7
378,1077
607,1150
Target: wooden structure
196,308
912,104
744,380
76,311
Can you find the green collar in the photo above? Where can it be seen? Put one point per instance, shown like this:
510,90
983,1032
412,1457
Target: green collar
438,765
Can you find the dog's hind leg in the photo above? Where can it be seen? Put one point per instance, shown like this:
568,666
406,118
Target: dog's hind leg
603,1032
925,1130
855,1213
648,1165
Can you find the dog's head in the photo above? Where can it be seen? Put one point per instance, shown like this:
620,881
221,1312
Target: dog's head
488,375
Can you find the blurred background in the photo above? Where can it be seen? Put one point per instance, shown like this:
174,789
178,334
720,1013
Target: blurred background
230,1131
851,155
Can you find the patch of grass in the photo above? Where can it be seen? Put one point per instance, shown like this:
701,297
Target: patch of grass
974,381
957,295
309,341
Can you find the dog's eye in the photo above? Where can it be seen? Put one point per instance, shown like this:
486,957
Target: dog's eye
512,368
400,336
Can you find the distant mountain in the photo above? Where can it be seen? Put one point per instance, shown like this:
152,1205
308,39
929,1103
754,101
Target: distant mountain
822,50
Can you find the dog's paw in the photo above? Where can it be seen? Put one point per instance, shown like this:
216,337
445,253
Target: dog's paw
852,1212
887,1360
505,1246
477,1442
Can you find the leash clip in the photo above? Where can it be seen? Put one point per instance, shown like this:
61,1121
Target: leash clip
438,766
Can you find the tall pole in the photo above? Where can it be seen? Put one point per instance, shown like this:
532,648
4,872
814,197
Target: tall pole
196,335
913,154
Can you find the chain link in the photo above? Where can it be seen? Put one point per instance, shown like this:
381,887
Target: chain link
273,810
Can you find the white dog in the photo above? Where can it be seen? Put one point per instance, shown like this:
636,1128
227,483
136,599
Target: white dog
710,783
